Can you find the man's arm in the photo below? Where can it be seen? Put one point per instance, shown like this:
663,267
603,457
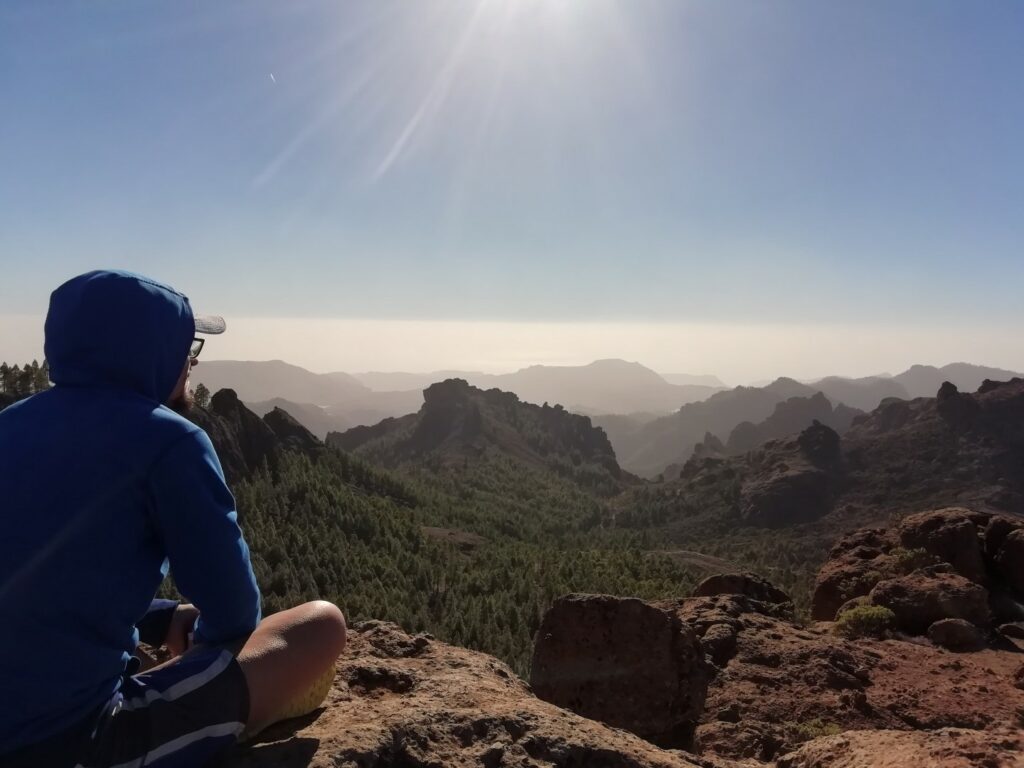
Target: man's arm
195,514
154,625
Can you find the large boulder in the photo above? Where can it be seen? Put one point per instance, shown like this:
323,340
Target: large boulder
956,635
951,535
856,563
927,595
402,701
623,662
749,584
1010,561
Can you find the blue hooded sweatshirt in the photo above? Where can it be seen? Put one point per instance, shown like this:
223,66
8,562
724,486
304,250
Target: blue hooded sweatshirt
101,487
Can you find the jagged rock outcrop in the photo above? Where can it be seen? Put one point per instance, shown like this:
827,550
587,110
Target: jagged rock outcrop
951,535
799,485
623,662
290,432
408,701
459,423
902,458
748,584
928,595
776,685
954,563
789,418
243,440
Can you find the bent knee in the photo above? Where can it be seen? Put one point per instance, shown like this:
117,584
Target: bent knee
330,625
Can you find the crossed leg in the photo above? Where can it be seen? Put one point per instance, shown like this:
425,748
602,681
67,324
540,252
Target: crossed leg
286,655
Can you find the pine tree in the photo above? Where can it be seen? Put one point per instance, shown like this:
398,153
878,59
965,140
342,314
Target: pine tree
202,396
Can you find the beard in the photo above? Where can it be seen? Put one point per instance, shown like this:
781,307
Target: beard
182,405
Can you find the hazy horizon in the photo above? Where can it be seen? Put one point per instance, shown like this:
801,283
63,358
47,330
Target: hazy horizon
736,353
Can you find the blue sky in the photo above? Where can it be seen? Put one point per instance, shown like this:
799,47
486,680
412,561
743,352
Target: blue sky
633,161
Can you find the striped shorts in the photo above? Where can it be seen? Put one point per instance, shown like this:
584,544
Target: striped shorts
177,716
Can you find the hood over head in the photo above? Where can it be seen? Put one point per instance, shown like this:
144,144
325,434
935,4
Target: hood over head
118,330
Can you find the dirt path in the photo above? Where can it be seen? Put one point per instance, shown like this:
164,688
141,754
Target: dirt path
699,560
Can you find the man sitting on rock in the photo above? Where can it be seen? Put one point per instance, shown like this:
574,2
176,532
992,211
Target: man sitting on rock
102,486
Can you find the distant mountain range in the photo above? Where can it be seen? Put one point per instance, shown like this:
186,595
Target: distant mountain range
647,446
336,401
652,423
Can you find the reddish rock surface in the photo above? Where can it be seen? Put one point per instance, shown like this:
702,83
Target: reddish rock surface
403,701
785,684
956,635
975,557
946,748
749,584
623,662
952,535
928,595
777,684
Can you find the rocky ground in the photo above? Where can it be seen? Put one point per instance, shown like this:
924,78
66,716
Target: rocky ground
403,701
723,679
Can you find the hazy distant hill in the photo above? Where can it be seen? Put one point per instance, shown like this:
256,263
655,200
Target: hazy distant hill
386,381
317,419
864,394
256,381
704,380
604,386
320,402
648,448
925,380
790,417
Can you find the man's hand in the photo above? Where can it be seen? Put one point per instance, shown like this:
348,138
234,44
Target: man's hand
179,635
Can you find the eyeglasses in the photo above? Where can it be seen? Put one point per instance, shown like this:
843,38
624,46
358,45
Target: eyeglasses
196,348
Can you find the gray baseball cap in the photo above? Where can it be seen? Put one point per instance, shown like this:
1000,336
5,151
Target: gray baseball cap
210,324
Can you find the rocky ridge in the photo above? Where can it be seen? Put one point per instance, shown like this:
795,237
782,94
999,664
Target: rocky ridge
459,423
953,449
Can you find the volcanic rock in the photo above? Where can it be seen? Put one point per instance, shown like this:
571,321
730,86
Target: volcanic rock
292,435
749,584
402,701
244,442
1010,560
921,598
1013,629
949,534
855,564
945,748
956,635
623,662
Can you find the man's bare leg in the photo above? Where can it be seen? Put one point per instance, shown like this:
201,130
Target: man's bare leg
286,654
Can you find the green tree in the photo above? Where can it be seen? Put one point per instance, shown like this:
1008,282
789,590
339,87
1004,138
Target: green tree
202,396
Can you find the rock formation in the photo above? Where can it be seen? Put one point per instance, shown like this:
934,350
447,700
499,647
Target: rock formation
623,662
774,684
953,563
459,423
402,701
243,440
944,748
789,418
